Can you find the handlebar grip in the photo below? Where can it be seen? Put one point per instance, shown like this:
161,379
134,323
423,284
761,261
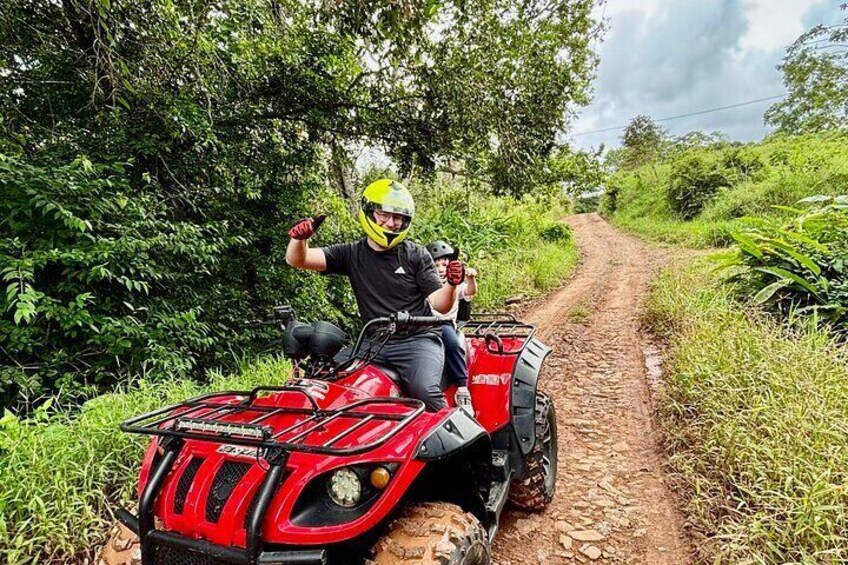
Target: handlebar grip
419,321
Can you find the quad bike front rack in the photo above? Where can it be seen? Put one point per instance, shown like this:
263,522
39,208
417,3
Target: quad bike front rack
203,419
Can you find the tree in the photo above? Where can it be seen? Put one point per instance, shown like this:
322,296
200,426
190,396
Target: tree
815,72
153,154
642,142
577,172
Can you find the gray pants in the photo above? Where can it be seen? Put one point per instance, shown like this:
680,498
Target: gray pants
419,359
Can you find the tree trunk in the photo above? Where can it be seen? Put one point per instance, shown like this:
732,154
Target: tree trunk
340,173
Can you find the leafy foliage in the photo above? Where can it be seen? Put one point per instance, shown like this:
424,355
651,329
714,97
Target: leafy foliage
587,203
90,276
815,72
153,155
642,142
800,268
519,248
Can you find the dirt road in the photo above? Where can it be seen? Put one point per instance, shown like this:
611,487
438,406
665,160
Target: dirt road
611,505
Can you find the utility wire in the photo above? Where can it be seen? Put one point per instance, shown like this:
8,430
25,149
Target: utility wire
710,110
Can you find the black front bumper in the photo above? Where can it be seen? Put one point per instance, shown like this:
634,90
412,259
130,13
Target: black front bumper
172,549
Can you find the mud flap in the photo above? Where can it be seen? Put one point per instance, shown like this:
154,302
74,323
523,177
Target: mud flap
525,376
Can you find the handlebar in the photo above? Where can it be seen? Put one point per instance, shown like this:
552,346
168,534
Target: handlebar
404,319
284,317
398,323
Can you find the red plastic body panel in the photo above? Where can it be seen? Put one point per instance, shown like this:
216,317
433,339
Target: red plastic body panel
489,382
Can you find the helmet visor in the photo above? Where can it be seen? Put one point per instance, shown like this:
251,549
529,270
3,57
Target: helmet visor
394,209
390,219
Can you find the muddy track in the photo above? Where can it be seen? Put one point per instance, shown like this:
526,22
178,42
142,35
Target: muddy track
611,503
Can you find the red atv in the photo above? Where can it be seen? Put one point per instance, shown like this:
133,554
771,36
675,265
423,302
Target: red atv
338,466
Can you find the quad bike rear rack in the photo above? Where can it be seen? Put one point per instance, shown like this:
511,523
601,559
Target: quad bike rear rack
204,419
201,419
494,327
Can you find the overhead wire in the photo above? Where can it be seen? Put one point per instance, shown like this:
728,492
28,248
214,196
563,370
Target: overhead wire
699,112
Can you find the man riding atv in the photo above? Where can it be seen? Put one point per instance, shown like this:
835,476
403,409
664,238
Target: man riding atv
336,465
389,274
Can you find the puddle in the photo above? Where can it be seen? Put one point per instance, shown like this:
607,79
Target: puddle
653,367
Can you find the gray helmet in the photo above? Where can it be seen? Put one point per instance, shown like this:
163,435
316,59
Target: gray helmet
439,249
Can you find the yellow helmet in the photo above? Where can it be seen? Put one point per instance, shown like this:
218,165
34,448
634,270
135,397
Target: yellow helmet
390,196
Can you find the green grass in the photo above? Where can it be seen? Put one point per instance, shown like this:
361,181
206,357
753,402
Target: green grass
755,417
528,273
580,314
792,168
518,247
60,475
697,233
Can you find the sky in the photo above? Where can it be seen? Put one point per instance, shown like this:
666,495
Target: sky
664,58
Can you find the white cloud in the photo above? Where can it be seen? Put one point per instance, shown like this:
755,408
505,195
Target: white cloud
774,24
670,57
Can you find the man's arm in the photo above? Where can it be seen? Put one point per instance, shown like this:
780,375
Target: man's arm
442,300
300,256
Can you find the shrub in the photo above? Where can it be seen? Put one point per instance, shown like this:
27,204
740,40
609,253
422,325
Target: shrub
777,172
608,202
555,232
743,163
104,279
506,240
799,268
694,181
586,204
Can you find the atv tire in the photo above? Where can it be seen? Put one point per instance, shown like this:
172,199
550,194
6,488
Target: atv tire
536,490
433,533
122,548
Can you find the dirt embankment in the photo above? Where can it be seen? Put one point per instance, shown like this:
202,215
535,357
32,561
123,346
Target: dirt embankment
611,504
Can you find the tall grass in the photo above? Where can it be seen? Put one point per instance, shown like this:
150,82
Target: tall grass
60,474
755,416
518,247
525,273
787,170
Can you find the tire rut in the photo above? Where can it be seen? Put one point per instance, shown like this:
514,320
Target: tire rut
611,504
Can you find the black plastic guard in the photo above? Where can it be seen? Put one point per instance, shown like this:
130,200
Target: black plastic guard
525,376
456,432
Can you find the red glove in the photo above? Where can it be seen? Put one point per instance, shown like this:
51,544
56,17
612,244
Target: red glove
306,228
455,272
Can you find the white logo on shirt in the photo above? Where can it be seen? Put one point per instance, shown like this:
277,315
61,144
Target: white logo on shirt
400,271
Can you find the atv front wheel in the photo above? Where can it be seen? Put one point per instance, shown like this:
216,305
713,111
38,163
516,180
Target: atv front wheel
536,490
122,548
433,533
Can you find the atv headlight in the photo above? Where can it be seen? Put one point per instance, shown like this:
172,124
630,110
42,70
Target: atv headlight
345,488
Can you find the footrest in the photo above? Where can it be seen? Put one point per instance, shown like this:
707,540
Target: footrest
500,465
494,506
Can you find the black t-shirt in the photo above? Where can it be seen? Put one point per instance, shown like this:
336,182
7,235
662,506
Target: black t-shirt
386,282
